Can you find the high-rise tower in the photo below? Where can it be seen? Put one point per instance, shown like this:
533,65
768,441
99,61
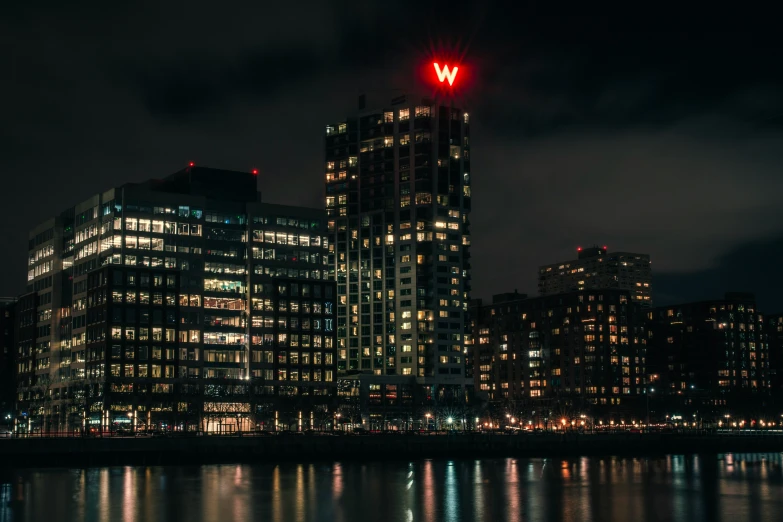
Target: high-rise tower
398,198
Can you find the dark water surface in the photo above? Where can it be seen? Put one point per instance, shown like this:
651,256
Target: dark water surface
734,488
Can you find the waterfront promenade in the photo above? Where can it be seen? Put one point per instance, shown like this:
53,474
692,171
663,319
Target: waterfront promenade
75,451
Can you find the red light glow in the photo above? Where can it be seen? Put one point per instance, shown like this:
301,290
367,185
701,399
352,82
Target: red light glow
446,74
606,248
191,164
578,249
255,172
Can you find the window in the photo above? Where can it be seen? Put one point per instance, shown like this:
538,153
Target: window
422,112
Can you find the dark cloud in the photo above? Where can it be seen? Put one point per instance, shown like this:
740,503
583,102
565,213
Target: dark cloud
657,80
744,268
186,86
642,126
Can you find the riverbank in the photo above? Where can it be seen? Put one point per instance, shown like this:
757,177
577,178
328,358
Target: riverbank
83,452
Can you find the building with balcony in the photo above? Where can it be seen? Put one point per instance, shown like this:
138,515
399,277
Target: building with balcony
580,351
710,354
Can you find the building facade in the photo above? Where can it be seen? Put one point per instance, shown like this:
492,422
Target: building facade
774,327
597,268
173,303
7,360
398,198
710,352
581,350
379,402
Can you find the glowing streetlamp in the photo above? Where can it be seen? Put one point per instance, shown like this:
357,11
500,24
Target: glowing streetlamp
647,400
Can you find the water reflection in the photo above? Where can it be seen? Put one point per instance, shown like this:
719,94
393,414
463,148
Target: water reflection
728,488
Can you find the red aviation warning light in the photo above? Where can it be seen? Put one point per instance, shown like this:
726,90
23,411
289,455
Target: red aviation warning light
445,74
255,172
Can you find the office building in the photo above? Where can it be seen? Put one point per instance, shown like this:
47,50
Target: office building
379,402
184,302
582,351
709,351
596,268
398,198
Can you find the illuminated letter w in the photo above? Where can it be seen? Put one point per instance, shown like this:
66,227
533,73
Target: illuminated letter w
444,74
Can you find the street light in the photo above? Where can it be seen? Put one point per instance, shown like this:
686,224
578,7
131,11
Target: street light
428,415
647,394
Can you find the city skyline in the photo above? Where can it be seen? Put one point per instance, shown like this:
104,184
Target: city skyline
443,260
660,140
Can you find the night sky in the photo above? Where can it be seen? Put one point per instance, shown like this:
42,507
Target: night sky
650,128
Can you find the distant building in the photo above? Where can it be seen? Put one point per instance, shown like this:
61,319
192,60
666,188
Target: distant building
597,268
184,301
7,360
774,328
398,198
709,351
583,350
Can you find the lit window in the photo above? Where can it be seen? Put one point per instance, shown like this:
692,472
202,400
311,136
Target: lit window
422,112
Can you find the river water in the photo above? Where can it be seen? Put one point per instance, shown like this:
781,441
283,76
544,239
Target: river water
731,487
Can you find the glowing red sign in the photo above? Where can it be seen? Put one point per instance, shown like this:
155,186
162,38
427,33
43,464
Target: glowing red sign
446,74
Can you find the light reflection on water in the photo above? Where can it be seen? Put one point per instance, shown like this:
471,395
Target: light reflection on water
728,488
